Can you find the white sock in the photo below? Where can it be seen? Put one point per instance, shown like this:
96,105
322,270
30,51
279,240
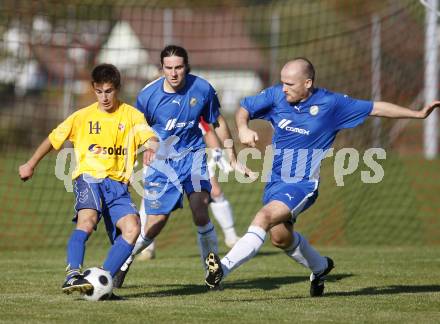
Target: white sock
151,247
144,217
302,252
141,243
221,209
207,240
246,248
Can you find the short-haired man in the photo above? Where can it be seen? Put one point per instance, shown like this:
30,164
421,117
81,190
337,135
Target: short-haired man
306,121
106,136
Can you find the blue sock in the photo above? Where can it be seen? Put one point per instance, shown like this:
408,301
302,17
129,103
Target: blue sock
75,252
117,255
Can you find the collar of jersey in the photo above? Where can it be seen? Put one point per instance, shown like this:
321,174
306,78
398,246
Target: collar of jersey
109,113
181,91
301,104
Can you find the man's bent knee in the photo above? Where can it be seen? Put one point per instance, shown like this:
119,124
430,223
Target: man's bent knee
201,219
199,207
130,228
281,242
87,220
281,235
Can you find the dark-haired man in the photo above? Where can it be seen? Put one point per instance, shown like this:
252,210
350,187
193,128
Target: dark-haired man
106,136
173,106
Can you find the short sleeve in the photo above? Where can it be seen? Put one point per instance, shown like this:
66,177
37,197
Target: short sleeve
62,132
211,110
259,106
143,132
350,112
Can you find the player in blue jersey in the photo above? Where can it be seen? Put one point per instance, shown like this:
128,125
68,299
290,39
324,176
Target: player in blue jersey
305,121
173,106
219,204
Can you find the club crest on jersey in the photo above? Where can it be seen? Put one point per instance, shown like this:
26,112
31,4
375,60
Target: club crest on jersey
193,102
314,110
121,127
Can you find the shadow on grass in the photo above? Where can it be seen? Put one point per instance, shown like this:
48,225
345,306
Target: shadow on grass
272,283
265,283
388,290
226,250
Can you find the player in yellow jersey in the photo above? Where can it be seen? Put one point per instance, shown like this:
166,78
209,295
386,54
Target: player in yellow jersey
106,136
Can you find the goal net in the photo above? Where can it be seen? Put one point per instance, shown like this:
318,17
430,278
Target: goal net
366,49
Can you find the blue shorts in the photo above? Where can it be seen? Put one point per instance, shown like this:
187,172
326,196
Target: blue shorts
167,180
110,198
297,196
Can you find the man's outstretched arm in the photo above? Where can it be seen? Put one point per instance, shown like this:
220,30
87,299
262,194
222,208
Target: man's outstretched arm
390,110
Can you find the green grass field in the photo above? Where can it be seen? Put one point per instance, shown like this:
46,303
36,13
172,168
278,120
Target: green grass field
368,285
384,239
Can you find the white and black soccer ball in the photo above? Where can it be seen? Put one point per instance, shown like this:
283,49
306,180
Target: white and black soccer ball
102,284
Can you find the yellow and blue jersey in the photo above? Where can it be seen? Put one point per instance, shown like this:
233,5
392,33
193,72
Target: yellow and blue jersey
105,143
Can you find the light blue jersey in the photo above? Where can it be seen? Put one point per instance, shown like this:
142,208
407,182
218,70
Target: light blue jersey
303,132
180,164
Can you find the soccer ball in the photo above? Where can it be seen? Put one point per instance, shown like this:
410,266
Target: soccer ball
102,284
